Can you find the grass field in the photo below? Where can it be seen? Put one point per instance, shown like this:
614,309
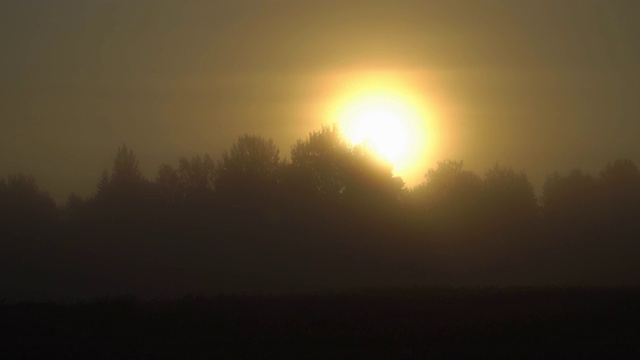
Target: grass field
395,323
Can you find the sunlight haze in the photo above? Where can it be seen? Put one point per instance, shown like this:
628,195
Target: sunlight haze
540,86
381,111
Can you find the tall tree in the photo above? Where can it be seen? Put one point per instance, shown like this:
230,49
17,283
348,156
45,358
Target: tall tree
169,186
320,162
570,196
23,206
621,181
508,196
251,164
450,188
126,169
75,207
621,178
125,181
370,180
196,177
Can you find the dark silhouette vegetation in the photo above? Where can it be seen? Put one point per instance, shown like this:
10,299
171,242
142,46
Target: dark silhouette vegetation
542,323
332,217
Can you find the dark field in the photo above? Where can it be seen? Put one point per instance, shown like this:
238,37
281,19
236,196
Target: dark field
442,322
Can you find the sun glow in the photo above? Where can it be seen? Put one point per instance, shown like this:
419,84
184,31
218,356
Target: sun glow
380,123
385,116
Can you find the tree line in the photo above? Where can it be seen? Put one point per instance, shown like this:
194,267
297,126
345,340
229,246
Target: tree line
333,214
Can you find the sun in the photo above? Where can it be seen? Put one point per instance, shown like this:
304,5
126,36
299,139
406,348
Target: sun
379,122
388,118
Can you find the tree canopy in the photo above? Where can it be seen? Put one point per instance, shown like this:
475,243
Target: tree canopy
336,213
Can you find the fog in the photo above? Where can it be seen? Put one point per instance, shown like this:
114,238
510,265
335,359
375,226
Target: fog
542,86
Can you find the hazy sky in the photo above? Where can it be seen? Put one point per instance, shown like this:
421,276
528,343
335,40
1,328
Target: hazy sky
540,85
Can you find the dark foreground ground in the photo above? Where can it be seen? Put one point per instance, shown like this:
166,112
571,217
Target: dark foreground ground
441,322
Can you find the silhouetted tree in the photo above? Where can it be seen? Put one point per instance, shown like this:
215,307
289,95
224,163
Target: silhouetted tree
169,186
320,163
369,181
123,193
125,168
574,197
508,197
251,155
196,177
621,175
621,188
75,207
104,184
23,206
592,223
621,180
125,182
449,190
507,230
249,167
193,180
333,210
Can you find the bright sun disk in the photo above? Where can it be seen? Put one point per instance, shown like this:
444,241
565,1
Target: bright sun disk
386,118
379,123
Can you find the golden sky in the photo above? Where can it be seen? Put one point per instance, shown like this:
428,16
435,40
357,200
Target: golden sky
538,85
